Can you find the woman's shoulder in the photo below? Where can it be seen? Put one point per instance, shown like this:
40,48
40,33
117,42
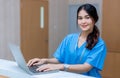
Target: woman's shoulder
72,35
100,42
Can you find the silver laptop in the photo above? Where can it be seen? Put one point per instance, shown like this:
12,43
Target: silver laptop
17,54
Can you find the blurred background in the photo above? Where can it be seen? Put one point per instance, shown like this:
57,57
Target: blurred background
38,26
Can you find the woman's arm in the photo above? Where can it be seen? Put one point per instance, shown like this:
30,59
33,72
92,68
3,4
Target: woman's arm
79,68
52,60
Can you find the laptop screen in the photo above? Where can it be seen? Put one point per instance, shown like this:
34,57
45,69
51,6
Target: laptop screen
17,54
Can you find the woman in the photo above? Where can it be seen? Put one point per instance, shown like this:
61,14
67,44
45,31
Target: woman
82,52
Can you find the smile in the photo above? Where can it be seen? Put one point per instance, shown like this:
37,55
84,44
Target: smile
84,26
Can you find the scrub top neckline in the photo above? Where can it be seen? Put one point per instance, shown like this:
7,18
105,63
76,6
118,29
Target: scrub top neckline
78,40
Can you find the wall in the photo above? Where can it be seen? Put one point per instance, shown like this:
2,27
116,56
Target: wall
9,26
58,23
111,35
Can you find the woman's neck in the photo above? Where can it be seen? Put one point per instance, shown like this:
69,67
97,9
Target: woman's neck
82,39
83,35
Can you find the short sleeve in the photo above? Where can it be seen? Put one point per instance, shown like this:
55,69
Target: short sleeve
97,56
60,52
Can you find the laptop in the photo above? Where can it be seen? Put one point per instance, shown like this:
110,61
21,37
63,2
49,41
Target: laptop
17,54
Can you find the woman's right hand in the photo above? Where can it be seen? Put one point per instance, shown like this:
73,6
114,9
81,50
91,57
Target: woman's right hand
36,61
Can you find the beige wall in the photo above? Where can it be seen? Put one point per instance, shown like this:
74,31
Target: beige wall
9,26
83,1
58,23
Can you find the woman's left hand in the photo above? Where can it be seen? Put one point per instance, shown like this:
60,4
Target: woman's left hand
50,67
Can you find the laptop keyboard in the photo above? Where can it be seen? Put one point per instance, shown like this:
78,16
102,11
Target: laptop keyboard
33,69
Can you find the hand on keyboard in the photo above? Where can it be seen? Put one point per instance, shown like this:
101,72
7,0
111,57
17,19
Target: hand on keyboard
36,61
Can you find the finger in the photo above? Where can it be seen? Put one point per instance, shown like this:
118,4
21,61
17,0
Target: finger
47,70
38,63
31,62
41,69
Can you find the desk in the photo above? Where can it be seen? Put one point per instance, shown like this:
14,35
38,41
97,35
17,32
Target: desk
1,76
11,69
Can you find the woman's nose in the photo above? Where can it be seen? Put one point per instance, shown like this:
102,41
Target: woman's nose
83,21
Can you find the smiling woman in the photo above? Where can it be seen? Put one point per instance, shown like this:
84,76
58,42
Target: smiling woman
82,52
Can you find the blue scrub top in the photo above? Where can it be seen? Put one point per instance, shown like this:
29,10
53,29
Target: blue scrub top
68,52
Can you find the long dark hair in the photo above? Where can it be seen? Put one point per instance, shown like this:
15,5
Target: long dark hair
92,38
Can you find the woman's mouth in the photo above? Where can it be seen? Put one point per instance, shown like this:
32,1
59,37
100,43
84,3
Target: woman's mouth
84,26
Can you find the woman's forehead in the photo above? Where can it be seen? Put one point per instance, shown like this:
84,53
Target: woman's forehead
83,13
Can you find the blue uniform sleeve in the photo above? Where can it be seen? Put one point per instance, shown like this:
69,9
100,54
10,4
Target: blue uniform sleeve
97,56
60,52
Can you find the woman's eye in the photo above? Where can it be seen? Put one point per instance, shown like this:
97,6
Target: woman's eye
79,18
87,17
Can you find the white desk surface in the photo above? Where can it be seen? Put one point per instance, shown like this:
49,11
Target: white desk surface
11,69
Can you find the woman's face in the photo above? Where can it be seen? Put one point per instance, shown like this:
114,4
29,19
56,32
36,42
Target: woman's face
85,22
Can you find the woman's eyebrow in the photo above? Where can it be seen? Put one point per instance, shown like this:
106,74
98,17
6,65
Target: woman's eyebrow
87,15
